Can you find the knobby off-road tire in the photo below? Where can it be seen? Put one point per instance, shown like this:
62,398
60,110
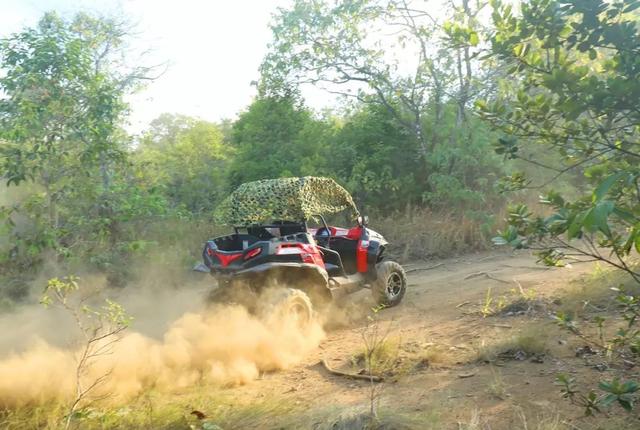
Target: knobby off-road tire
221,294
231,293
391,284
287,303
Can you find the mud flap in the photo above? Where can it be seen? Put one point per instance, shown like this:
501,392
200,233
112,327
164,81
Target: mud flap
200,267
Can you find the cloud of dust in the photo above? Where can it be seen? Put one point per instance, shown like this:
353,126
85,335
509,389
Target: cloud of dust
220,345
175,340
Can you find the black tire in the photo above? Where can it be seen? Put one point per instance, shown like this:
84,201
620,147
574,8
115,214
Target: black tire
220,295
233,293
390,285
287,303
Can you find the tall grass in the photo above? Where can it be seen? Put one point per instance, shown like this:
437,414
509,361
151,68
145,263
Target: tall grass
424,233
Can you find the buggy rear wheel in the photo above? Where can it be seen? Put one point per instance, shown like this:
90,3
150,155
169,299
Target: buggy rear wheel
233,293
391,284
287,305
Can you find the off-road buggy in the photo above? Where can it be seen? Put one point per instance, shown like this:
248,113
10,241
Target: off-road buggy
273,243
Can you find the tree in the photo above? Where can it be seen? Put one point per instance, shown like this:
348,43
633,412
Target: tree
64,85
187,159
64,97
342,46
277,137
360,50
575,92
374,156
576,66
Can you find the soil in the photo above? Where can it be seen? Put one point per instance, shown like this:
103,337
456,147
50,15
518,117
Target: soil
442,311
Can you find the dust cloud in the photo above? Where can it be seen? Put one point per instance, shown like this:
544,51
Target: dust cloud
223,345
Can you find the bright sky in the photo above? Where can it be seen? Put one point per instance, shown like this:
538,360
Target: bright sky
214,49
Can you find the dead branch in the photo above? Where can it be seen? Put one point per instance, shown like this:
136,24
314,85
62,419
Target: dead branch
370,378
488,275
527,267
424,268
500,325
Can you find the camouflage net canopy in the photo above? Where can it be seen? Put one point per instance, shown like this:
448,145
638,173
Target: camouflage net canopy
285,199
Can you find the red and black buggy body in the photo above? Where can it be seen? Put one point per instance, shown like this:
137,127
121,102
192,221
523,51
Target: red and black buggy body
326,262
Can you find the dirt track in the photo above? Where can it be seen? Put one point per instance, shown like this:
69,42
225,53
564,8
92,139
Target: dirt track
437,337
442,310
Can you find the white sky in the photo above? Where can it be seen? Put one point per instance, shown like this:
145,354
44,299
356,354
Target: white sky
214,49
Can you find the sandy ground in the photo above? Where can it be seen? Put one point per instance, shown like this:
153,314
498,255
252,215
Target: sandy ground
436,336
441,311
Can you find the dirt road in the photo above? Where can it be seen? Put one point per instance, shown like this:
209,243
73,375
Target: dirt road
442,380
472,346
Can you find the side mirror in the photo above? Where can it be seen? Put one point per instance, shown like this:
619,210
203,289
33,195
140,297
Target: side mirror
363,220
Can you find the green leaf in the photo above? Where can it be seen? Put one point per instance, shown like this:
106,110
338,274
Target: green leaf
625,215
608,400
631,6
626,404
575,226
473,38
604,186
605,386
596,218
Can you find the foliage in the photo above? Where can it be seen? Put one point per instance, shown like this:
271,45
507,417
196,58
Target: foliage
576,66
623,346
64,85
185,160
60,106
575,92
91,193
340,45
421,144
375,157
615,391
100,328
277,137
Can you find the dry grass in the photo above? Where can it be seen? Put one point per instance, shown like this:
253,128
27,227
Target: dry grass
433,356
592,293
541,420
392,358
422,233
475,422
352,418
532,340
155,410
384,358
497,387
517,301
